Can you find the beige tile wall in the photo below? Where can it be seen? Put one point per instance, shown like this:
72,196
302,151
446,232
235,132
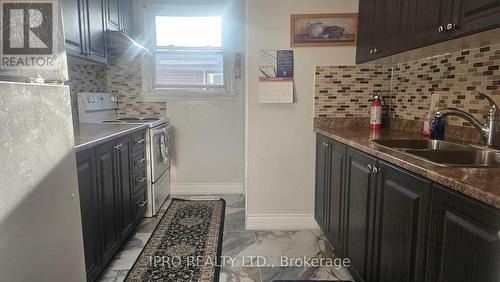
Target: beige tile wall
124,79
346,91
85,78
454,79
121,76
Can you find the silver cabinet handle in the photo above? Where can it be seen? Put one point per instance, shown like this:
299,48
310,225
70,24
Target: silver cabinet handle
139,141
143,203
119,146
141,180
370,167
371,51
140,161
441,28
375,169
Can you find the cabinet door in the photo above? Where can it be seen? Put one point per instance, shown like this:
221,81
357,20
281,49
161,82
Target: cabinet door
365,31
108,199
113,14
335,187
391,28
360,187
321,180
428,16
74,30
87,185
96,31
475,15
124,174
464,243
401,219
128,17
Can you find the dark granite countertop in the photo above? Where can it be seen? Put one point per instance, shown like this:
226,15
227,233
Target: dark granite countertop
89,135
482,184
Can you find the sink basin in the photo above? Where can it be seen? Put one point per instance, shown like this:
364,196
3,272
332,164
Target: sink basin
405,144
464,158
444,153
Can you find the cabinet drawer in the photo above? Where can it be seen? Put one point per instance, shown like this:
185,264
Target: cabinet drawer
140,180
138,140
140,203
138,160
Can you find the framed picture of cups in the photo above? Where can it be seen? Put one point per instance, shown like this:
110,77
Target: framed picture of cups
311,30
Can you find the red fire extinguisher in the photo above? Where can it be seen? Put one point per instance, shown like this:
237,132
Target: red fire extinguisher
376,113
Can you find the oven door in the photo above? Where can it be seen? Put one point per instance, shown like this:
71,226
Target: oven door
160,152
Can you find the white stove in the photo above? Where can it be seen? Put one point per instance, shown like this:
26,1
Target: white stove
101,108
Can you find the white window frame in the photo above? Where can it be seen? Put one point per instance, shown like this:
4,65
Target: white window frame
152,94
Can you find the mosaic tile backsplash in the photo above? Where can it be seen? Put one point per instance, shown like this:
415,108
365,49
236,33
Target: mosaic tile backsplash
454,79
85,78
124,79
121,76
346,91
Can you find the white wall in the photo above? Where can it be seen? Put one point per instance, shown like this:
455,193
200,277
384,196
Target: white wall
280,138
208,135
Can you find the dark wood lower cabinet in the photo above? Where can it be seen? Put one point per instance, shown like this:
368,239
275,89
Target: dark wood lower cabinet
321,181
124,174
87,182
335,188
464,242
401,225
108,200
358,212
396,226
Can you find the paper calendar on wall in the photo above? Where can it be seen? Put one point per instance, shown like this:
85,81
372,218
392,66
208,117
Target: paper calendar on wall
276,76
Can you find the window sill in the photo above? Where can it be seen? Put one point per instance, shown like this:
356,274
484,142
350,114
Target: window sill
186,95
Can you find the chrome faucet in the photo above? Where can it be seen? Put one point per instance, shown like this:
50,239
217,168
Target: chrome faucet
490,132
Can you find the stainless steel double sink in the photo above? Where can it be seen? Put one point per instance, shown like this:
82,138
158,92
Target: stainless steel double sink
444,153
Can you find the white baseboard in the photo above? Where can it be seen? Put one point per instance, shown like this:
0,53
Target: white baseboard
280,221
205,188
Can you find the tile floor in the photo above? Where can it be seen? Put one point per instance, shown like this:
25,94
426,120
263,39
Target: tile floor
254,255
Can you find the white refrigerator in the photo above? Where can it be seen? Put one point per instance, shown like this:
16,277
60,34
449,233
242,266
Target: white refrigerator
40,224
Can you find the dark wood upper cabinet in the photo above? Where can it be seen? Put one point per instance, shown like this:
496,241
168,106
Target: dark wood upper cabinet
402,213
87,183
429,20
128,17
387,27
366,17
74,28
464,241
392,31
96,31
358,221
471,16
379,34
113,14
84,29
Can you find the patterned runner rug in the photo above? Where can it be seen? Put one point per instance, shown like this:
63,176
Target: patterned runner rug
186,245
